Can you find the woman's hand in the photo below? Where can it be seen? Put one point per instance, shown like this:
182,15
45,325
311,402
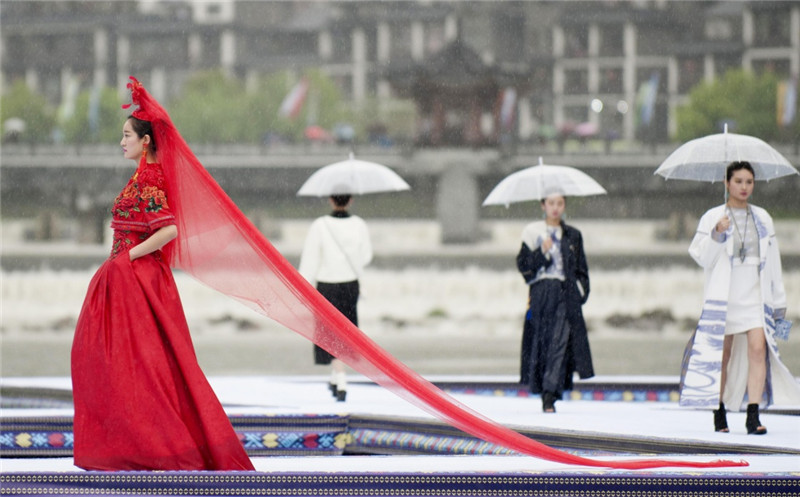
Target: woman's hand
155,242
723,224
547,244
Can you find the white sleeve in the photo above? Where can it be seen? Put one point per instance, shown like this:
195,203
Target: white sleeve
774,266
366,246
778,290
704,249
532,235
311,257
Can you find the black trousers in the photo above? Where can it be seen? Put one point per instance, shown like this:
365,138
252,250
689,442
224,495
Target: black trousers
344,297
545,357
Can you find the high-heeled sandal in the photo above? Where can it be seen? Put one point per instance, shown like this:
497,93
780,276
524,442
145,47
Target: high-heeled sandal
753,425
721,419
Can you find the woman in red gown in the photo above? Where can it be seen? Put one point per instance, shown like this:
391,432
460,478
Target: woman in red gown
141,399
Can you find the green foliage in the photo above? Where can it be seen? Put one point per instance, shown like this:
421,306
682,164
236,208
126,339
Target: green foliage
211,109
400,117
215,108
740,97
397,117
20,102
100,124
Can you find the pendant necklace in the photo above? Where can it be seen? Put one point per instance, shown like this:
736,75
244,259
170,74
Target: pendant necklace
742,249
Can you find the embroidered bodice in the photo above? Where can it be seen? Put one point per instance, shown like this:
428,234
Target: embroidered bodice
140,209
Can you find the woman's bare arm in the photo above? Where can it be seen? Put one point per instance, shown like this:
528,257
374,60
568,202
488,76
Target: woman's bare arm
155,242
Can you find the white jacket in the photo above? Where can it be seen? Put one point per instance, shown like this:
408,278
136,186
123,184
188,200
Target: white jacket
701,371
336,250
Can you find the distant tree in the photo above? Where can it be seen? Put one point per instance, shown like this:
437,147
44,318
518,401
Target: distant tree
22,103
266,102
97,118
398,117
216,108
211,109
329,108
746,100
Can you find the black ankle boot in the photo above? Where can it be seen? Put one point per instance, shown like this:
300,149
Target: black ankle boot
548,402
341,395
332,388
721,419
753,425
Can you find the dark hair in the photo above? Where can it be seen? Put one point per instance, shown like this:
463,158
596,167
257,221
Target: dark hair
737,165
559,194
341,200
143,128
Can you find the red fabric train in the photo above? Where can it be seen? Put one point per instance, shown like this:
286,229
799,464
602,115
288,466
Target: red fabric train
221,248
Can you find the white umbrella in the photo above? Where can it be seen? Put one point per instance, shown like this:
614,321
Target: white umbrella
537,182
352,177
706,158
14,125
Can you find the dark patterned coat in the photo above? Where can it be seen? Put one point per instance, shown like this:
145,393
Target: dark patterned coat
575,293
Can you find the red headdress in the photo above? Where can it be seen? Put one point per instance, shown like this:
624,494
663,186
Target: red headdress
221,248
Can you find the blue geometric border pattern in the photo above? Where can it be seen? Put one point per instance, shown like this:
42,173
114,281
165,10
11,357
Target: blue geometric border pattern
261,435
399,484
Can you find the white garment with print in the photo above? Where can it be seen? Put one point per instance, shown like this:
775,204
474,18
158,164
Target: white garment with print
533,235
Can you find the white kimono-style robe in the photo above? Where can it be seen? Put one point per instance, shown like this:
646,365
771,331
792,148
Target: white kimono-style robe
702,361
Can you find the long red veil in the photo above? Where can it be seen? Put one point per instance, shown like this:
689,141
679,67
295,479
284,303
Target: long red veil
221,248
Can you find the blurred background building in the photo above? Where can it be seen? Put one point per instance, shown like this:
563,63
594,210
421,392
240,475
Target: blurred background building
608,65
454,95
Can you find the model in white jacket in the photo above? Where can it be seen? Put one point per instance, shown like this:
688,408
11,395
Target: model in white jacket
741,367
336,250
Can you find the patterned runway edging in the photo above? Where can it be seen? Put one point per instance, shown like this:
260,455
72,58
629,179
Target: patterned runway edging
399,484
587,390
334,435
285,435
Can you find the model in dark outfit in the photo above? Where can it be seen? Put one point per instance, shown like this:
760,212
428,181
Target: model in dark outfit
555,342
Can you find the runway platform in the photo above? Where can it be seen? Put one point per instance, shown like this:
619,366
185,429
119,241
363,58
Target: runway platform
303,442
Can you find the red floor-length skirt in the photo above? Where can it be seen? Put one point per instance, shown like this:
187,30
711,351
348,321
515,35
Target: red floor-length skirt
141,399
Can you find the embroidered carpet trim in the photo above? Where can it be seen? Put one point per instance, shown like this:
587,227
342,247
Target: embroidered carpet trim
334,435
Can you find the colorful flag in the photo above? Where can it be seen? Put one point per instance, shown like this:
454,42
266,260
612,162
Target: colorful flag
69,98
787,102
507,107
646,99
293,102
